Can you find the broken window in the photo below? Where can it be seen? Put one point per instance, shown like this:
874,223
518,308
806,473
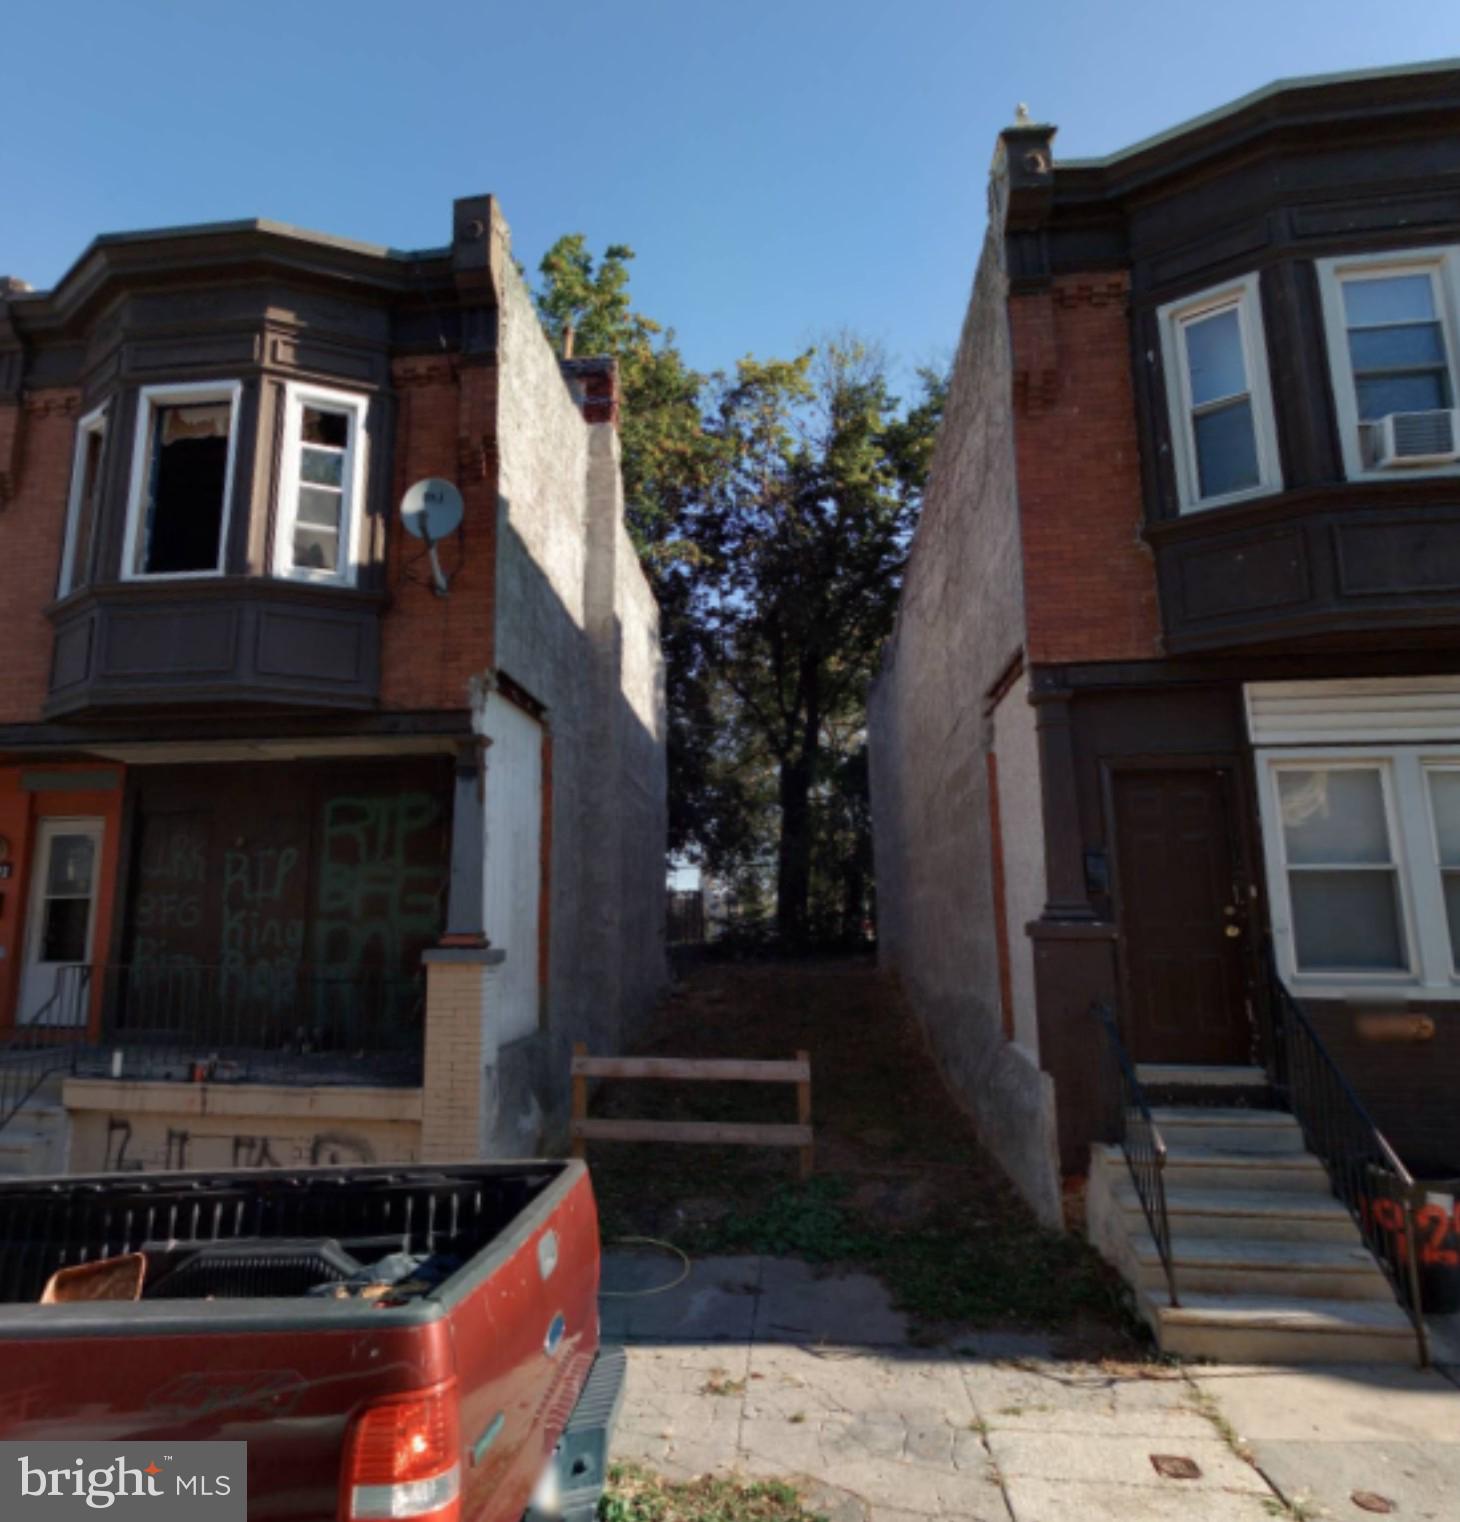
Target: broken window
319,494
181,484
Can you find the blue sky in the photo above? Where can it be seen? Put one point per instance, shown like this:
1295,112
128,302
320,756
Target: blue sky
783,168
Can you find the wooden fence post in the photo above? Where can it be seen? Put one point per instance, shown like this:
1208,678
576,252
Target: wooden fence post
803,1111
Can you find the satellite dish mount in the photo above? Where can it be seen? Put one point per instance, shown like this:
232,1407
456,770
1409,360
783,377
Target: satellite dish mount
432,510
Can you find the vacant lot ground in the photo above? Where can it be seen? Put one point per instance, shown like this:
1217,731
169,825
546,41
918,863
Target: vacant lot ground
901,1187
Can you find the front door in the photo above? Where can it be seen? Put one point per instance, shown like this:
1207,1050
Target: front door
1182,915
60,923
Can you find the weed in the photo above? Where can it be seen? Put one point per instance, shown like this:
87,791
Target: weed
796,1418
1204,1405
636,1494
720,1383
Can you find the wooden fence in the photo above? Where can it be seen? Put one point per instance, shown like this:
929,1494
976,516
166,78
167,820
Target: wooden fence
694,1070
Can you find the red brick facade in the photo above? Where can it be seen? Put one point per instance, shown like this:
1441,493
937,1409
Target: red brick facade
1089,580
430,646
31,526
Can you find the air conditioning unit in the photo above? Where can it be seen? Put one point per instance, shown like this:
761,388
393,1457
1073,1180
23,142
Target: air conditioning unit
1418,438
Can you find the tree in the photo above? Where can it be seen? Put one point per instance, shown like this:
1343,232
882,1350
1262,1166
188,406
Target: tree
773,510
800,549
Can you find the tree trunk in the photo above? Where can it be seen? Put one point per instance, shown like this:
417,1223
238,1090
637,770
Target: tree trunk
793,866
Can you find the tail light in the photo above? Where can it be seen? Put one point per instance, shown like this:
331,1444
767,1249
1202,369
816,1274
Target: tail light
404,1459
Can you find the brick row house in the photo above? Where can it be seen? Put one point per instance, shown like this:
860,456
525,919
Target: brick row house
1169,730
312,849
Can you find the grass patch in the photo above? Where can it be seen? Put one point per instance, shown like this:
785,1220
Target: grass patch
637,1494
902,1188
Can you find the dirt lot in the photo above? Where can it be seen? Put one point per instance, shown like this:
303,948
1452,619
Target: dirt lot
901,1186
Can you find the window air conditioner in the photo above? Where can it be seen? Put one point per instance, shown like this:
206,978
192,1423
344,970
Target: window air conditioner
1418,438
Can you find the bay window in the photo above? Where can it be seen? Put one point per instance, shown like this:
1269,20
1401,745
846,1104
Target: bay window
1392,335
1222,430
182,480
317,529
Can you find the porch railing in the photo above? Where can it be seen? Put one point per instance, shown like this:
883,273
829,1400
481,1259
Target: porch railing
1140,1141
1363,1168
286,1024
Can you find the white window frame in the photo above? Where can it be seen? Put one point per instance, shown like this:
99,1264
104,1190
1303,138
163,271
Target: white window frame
1415,849
93,425
149,398
1443,266
297,396
1244,296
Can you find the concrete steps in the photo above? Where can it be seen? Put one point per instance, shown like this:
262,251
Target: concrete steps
1269,1265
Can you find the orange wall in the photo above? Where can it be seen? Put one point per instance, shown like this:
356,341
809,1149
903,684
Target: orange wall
20,811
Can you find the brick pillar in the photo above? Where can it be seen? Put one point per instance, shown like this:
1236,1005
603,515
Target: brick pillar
458,1052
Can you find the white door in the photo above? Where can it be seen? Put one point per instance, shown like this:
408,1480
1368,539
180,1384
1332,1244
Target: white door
514,861
60,923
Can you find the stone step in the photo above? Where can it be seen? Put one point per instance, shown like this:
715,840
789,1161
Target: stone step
1221,1168
1189,1075
1229,1127
1270,1215
1276,1329
1264,1268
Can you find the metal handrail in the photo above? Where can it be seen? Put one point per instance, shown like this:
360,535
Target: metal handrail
1365,1171
42,1047
1142,1145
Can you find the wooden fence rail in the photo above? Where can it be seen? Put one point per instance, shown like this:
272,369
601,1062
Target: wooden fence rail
694,1070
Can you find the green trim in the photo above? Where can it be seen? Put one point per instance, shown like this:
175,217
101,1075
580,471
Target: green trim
1256,97
106,781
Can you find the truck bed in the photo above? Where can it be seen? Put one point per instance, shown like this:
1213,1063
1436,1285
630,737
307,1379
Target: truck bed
268,1354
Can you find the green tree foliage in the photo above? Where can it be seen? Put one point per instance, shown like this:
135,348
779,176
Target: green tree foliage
773,509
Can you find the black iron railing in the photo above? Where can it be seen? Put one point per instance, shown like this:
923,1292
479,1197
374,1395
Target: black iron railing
1363,1168
46,1046
1140,1141
280,1024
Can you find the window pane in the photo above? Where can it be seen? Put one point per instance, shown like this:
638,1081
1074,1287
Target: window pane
69,871
1452,915
316,549
319,507
1389,298
320,427
1226,450
1214,357
1380,396
1333,816
63,935
1346,920
322,465
189,468
1409,347
1445,801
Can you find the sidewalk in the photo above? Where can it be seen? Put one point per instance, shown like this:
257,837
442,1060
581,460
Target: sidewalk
757,1365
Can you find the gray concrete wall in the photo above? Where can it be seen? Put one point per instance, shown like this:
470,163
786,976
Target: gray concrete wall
578,628
1016,747
960,624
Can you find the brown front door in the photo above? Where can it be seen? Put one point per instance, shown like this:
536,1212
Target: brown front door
1182,915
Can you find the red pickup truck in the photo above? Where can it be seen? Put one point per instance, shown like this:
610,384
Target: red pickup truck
417,1342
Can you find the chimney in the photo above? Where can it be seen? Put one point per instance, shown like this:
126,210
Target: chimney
594,384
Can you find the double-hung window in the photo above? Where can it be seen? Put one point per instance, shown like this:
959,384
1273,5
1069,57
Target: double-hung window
81,506
182,480
318,529
1391,326
1222,430
1363,851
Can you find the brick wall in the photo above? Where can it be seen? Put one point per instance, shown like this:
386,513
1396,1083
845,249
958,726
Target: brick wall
1089,580
31,527
431,647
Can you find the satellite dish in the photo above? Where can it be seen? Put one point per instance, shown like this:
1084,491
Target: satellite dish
431,510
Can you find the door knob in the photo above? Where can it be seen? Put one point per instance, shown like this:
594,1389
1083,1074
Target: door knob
1233,931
